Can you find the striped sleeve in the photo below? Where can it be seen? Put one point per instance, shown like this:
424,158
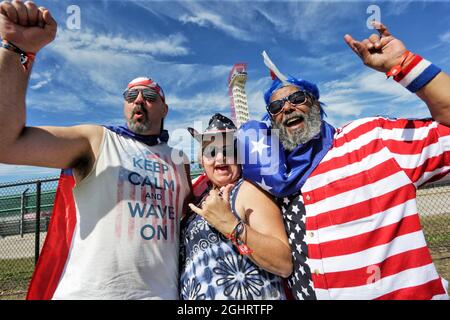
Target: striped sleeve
421,147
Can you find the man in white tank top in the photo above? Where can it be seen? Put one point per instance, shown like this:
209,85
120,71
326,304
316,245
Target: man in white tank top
129,191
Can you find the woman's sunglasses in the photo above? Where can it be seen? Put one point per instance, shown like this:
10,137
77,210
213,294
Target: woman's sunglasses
211,152
131,94
296,98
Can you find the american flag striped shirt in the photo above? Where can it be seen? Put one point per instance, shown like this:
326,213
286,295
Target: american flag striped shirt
363,231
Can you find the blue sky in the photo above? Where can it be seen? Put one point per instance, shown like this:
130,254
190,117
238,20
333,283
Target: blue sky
189,47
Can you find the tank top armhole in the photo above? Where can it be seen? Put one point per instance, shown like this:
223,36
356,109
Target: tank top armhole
233,197
94,166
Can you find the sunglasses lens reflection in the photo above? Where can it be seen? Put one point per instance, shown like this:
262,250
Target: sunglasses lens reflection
295,98
132,94
276,106
211,152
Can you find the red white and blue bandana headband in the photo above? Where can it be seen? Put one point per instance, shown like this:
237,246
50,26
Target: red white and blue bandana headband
147,82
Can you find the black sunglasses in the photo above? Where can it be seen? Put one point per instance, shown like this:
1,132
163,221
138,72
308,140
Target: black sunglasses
296,98
131,94
211,152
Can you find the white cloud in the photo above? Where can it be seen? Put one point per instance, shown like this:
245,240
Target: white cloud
261,20
368,94
105,61
255,96
39,85
315,21
206,19
334,61
110,60
369,82
221,16
445,37
42,79
398,8
442,44
188,75
172,45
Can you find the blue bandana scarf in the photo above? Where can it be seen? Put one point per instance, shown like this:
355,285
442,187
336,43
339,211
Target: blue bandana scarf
267,164
152,140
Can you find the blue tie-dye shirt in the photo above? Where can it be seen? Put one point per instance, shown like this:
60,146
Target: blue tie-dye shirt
213,269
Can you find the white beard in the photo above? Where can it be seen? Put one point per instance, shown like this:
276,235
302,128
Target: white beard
311,127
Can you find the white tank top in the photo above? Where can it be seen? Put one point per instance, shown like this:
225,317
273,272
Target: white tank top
125,244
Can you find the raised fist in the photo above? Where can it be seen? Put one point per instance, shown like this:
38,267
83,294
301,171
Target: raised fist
25,25
380,51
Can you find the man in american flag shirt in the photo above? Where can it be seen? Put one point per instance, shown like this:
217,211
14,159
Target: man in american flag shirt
348,195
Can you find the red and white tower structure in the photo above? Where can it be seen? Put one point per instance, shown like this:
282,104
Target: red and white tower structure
236,91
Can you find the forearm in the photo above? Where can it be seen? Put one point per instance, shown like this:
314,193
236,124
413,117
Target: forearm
264,231
269,253
436,94
14,81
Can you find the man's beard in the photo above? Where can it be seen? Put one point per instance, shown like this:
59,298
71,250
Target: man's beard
311,127
139,127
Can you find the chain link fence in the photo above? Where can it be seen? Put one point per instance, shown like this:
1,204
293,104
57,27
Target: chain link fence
25,209
433,204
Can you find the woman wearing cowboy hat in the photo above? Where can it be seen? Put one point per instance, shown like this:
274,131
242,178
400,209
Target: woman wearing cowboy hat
234,246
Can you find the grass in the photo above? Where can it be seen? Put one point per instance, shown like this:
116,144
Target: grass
437,239
15,274
438,242
442,264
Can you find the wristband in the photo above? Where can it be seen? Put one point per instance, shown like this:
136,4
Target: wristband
25,57
234,237
395,70
416,74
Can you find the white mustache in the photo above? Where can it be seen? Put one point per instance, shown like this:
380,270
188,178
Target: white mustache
296,115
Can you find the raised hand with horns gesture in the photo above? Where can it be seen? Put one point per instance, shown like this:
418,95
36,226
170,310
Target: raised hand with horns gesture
385,53
380,51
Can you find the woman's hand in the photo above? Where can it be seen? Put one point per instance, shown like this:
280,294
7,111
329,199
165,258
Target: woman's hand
216,210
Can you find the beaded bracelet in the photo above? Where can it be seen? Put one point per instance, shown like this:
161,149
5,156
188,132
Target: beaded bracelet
234,237
25,57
